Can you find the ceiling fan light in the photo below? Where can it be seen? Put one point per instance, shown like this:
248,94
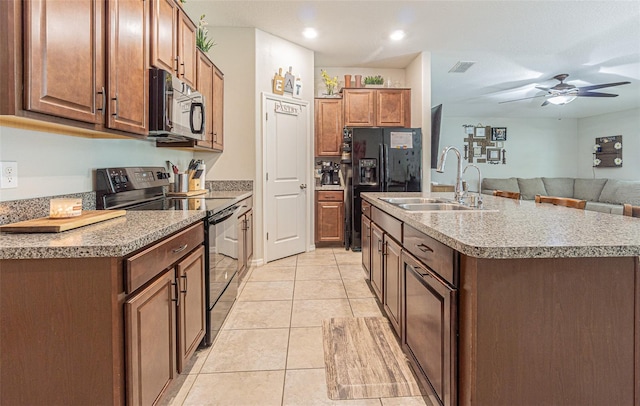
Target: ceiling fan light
560,100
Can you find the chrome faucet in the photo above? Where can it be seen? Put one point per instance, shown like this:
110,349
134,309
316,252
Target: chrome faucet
478,201
458,192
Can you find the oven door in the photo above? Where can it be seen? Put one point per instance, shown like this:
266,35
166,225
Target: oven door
222,251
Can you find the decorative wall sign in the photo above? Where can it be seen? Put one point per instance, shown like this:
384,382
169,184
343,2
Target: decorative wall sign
286,108
297,89
289,81
278,83
607,152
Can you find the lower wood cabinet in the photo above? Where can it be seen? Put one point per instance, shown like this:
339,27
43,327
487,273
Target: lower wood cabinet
429,328
365,238
330,217
150,325
245,238
377,278
392,271
103,330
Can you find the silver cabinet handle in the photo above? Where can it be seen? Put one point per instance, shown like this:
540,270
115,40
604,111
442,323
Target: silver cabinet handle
185,283
180,249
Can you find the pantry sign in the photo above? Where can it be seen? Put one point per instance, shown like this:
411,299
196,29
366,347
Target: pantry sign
286,108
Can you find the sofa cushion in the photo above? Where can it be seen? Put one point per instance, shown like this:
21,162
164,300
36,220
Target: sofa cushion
491,184
529,188
560,187
601,207
620,192
588,189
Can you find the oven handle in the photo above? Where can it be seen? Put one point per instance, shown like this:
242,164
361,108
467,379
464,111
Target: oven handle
230,211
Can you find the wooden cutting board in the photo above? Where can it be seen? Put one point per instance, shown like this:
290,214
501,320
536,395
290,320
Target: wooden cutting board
187,194
53,225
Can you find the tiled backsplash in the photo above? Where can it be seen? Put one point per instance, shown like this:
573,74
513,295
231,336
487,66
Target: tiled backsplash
230,185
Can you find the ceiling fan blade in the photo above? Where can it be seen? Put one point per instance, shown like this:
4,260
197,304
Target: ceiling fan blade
593,87
546,89
524,98
595,94
545,103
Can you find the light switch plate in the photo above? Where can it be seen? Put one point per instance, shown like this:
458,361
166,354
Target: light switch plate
8,174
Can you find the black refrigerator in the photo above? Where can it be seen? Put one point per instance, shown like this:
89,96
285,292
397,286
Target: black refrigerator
382,160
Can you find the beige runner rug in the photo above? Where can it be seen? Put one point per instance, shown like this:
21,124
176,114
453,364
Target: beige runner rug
363,360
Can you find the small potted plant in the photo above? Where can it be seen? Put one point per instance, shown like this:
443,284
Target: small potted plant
202,42
374,81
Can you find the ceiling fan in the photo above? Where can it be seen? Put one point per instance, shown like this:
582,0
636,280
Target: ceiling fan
564,93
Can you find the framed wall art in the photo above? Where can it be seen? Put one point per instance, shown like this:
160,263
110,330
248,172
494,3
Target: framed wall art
498,133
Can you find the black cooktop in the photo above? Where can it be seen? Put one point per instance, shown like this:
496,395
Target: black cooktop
210,205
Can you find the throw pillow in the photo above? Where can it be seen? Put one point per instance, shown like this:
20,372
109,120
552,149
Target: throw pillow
529,188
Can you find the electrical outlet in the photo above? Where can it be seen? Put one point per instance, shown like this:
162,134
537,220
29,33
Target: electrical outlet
8,174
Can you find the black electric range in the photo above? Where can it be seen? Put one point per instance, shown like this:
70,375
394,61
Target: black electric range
143,188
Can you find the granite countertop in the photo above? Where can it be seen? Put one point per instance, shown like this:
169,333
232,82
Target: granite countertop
330,187
111,238
510,228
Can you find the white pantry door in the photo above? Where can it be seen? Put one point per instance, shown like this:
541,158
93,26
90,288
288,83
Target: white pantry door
286,189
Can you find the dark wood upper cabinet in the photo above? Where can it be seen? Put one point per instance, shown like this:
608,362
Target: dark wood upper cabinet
377,107
218,109
186,49
128,71
164,35
328,127
204,76
64,58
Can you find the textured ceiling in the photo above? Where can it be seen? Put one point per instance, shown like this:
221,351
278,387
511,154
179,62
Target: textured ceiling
516,45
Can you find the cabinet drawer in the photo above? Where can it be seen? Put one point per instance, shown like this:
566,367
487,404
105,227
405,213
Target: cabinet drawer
145,265
330,195
432,253
389,224
366,209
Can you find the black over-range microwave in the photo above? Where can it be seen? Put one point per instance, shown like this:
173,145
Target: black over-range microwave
176,111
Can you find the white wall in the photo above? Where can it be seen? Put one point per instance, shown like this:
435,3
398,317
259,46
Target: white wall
625,123
534,148
273,53
54,164
235,56
418,78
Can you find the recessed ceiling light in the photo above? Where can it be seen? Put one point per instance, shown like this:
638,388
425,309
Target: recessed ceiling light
397,35
310,33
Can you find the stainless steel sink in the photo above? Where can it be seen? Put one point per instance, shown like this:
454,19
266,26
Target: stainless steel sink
434,207
413,200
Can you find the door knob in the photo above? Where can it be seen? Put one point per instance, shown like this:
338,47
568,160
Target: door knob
303,186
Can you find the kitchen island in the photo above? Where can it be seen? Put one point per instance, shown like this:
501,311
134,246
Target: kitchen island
542,305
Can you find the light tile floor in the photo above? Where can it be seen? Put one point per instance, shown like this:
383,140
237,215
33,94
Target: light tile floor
269,351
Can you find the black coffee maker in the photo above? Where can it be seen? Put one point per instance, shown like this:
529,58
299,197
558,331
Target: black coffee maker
329,171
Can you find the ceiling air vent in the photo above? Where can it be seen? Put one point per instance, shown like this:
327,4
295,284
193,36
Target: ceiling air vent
461,66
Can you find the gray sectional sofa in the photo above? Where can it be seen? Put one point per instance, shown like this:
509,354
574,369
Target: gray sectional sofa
604,195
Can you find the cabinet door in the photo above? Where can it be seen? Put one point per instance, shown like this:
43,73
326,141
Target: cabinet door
366,244
205,86
242,263
150,334
191,306
393,108
186,49
359,107
249,236
64,59
164,34
218,109
328,127
330,221
429,328
376,260
392,277
128,66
